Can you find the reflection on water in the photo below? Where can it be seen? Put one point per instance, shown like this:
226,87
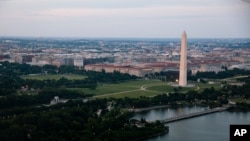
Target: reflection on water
212,127
164,113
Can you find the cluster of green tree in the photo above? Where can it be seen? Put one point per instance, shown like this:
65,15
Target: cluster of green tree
9,85
240,107
222,74
16,69
244,79
76,121
114,77
38,84
240,91
173,75
18,110
164,76
43,97
208,96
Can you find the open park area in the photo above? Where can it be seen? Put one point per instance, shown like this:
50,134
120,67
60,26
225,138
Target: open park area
137,88
132,88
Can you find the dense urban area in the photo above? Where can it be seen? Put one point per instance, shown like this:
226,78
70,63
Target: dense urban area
88,89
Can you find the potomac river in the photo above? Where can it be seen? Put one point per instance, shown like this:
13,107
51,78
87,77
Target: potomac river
211,127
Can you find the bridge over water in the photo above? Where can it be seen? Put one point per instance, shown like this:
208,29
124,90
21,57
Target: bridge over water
181,117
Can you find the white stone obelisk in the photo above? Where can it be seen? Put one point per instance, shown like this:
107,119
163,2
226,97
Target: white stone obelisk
183,61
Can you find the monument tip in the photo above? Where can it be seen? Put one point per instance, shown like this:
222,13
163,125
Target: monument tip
184,33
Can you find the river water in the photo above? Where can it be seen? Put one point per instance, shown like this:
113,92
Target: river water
211,127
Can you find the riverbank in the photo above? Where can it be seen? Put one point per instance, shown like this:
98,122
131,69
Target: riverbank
136,110
240,107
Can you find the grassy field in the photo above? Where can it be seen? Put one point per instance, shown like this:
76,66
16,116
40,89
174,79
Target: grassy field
103,89
121,89
139,88
202,86
131,89
55,77
169,88
131,94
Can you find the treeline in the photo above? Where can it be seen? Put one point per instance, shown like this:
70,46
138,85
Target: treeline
238,90
62,82
240,107
208,96
222,74
10,85
173,75
16,69
114,77
43,97
76,121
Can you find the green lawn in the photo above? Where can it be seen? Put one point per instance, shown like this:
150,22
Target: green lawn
103,89
161,88
131,89
139,88
153,87
55,77
131,94
202,86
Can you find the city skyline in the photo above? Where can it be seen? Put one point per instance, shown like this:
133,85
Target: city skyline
125,19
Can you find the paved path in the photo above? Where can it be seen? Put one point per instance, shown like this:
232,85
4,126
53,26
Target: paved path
103,95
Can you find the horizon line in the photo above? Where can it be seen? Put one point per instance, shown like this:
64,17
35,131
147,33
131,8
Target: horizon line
78,37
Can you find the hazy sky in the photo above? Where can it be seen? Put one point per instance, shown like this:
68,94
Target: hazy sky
125,18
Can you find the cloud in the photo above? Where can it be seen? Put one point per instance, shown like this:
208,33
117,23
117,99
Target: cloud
157,11
109,17
246,0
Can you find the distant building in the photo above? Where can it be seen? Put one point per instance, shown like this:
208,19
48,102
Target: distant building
27,58
68,61
57,62
18,59
139,70
240,66
45,60
78,62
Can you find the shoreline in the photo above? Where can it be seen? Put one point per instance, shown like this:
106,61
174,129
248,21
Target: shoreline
136,110
151,136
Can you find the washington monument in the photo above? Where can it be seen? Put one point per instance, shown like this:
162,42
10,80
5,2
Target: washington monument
183,61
